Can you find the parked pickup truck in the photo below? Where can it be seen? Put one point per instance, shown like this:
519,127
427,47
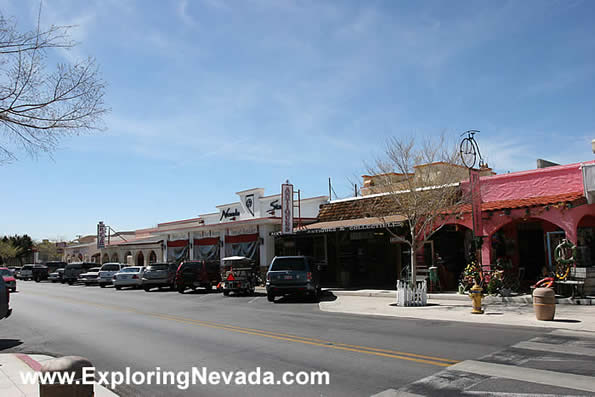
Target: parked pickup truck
107,272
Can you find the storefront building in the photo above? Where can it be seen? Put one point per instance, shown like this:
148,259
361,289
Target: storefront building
243,228
82,250
525,215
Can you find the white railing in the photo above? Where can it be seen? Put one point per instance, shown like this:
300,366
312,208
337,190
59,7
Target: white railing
408,296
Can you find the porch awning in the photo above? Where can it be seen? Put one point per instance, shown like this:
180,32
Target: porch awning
352,224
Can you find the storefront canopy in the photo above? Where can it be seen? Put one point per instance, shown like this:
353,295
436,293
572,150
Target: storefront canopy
352,224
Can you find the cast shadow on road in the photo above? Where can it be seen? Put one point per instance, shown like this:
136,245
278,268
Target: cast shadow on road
325,296
256,294
9,343
565,320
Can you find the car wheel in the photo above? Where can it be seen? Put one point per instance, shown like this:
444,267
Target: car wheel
226,293
101,285
147,289
118,287
70,282
270,297
181,289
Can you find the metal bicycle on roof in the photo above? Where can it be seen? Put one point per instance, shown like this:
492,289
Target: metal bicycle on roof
469,150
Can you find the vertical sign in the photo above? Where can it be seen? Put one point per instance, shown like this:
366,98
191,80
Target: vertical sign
476,201
100,235
286,208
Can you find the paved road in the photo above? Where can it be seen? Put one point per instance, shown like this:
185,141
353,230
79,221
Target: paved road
140,330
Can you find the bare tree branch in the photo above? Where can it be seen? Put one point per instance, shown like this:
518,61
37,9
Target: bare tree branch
420,181
38,106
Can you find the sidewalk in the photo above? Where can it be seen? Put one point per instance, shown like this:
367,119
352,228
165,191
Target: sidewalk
453,296
13,364
573,317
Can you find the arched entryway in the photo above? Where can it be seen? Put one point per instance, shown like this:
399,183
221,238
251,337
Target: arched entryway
451,246
115,257
105,258
152,257
140,259
527,245
127,255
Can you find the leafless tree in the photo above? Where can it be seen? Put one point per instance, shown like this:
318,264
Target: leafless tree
420,181
38,106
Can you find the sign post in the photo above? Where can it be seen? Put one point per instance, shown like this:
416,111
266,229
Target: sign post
100,235
286,208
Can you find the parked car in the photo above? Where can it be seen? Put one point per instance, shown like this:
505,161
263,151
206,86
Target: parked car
107,271
90,277
5,310
39,273
57,276
73,270
159,275
8,278
26,272
195,274
293,275
131,276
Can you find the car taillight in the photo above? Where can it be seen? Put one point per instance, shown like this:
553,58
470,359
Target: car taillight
309,276
135,276
269,276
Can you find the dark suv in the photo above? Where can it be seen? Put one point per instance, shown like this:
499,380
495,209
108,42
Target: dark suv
194,274
73,270
159,275
293,275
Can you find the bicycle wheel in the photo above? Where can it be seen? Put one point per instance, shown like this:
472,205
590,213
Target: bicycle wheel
468,151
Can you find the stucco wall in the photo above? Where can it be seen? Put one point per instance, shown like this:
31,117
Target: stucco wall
540,182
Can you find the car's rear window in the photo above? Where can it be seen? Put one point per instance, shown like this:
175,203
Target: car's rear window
130,270
296,264
5,272
158,267
110,267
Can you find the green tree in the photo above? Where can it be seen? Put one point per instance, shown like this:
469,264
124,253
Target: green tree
47,251
8,251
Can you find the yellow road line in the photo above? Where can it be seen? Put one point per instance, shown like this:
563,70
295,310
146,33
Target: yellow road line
443,362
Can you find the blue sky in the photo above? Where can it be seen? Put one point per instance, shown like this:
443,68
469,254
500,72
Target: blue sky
210,97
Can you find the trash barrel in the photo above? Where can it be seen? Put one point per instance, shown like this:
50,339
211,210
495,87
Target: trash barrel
544,303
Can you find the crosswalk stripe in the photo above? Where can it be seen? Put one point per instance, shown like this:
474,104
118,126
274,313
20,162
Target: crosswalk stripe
544,377
574,334
553,348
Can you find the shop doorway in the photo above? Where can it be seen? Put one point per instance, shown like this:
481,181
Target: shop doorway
531,251
451,246
140,259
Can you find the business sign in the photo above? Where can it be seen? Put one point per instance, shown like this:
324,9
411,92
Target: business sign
476,201
100,235
286,208
229,213
249,202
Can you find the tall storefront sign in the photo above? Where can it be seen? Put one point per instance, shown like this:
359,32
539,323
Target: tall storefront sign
100,235
286,208
476,201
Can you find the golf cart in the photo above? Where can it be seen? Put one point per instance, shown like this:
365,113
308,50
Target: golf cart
240,276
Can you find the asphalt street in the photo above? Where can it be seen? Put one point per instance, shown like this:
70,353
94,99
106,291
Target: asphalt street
143,330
